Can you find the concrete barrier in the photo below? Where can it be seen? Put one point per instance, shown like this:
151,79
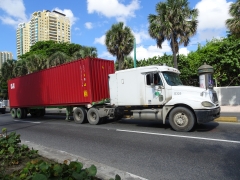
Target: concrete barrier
228,96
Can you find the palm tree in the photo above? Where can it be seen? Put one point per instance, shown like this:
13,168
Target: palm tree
90,51
7,69
119,41
233,24
36,62
174,22
20,68
85,52
127,63
58,58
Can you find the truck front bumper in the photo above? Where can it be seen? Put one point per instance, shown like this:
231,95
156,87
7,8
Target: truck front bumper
207,115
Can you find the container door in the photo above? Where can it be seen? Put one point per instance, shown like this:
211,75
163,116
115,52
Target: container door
154,89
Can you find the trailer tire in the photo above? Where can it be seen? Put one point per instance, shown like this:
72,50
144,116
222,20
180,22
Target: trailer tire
93,116
25,112
42,112
33,114
182,119
80,115
14,113
20,113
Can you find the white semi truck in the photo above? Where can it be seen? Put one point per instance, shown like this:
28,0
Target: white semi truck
91,91
155,93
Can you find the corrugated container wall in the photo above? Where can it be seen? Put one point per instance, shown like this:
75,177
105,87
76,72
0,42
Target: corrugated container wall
79,82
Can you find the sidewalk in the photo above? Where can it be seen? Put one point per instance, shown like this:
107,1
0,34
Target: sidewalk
103,171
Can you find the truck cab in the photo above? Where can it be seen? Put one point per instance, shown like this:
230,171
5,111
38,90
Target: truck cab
157,93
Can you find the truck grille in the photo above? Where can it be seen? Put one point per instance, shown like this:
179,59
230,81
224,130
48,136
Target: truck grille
215,98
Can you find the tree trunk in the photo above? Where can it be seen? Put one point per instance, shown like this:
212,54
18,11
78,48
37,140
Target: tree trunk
174,52
120,61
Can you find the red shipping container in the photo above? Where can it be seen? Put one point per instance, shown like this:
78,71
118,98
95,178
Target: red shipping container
76,83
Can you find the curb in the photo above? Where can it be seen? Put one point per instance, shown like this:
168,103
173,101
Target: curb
226,119
104,172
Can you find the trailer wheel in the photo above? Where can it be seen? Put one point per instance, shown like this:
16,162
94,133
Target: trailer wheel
93,116
42,112
25,112
14,113
3,111
20,113
80,115
182,119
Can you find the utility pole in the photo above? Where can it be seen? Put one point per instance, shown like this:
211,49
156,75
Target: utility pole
134,53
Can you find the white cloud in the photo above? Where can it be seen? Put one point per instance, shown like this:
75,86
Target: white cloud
184,51
14,12
140,36
88,25
113,8
68,14
209,34
107,55
151,51
212,14
212,17
100,40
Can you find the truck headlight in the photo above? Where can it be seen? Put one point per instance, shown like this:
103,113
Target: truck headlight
207,104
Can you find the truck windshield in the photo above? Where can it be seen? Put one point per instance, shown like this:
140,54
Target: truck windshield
172,78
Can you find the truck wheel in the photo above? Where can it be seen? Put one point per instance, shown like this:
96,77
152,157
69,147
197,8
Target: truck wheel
182,119
3,111
14,113
80,115
20,113
93,116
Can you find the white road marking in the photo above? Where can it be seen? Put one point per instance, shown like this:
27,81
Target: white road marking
28,121
179,136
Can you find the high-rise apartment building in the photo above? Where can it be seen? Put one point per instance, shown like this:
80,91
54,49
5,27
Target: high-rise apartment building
4,56
43,26
23,39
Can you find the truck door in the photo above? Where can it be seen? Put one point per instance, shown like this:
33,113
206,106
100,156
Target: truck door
154,89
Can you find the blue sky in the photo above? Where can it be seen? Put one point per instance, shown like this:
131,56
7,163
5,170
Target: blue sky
90,19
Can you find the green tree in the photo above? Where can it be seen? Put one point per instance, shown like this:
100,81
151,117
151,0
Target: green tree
36,62
127,63
84,52
233,23
48,48
119,41
20,68
57,58
3,88
174,22
220,53
7,69
7,72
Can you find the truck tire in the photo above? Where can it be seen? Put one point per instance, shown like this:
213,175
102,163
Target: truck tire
80,115
3,111
20,113
93,116
14,113
182,119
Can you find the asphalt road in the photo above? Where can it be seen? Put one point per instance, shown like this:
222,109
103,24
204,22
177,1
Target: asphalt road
145,148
